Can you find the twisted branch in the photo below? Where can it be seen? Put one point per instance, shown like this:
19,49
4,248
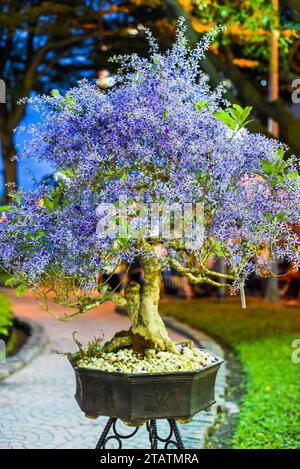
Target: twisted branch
190,274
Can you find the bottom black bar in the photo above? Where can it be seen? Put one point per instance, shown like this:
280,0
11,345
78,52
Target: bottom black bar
134,458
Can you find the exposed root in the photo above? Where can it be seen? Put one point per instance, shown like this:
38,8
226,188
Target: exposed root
121,340
170,346
139,344
154,336
188,343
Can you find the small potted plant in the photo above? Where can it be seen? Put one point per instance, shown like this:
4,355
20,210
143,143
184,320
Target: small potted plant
160,169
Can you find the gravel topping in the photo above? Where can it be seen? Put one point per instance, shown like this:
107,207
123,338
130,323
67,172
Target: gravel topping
126,361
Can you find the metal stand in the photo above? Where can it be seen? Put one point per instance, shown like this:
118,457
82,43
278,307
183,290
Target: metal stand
173,439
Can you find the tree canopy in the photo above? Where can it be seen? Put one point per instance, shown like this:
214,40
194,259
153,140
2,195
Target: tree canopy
159,136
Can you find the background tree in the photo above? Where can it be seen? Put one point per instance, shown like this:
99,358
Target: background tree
46,44
247,38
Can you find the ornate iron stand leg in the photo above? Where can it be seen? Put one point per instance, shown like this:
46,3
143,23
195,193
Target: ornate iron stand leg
152,430
173,439
116,436
102,439
176,432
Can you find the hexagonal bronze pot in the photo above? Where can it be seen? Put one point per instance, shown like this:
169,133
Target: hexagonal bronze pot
138,397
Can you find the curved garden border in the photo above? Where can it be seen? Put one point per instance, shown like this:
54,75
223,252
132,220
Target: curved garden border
35,343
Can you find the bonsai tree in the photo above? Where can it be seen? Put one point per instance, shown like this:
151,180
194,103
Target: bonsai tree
160,139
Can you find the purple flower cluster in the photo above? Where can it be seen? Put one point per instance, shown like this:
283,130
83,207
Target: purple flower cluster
154,138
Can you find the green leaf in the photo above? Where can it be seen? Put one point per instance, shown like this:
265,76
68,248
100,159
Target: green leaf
5,208
280,167
70,100
65,172
53,200
21,290
200,105
293,175
49,204
267,167
246,113
281,216
26,249
39,234
219,250
261,175
56,93
238,108
9,282
56,198
17,198
281,152
234,113
240,115
203,178
281,180
224,117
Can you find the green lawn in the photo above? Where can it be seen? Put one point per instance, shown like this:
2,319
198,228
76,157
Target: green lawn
5,314
262,336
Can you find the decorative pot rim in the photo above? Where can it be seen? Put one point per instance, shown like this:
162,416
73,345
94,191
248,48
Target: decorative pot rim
119,374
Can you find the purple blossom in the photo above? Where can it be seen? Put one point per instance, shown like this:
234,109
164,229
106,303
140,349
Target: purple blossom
146,139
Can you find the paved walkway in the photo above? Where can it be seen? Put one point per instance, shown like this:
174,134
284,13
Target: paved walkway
37,408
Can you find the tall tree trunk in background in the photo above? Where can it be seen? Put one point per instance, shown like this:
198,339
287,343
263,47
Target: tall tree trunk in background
8,151
273,87
272,291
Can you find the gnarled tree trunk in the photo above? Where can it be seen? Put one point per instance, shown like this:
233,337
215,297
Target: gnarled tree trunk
147,325
148,330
